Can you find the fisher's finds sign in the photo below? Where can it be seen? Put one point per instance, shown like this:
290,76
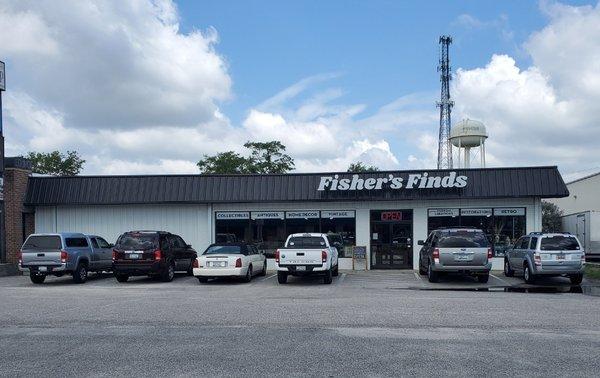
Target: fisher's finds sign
413,181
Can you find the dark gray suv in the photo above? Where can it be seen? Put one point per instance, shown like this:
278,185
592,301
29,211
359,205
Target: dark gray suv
456,250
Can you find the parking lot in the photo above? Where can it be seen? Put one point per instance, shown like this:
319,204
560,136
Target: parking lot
377,323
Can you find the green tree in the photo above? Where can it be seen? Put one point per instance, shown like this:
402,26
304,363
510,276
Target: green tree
265,157
360,167
551,217
56,163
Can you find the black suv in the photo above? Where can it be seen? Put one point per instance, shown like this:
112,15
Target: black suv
152,253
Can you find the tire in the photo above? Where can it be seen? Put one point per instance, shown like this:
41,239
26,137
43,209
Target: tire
121,277
432,276
264,270
190,271
527,276
422,271
168,274
328,277
336,271
508,271
37,278
202,279
576,279
282,277
483,278
248,276
80,274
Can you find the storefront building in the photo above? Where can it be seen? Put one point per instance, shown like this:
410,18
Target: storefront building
386,212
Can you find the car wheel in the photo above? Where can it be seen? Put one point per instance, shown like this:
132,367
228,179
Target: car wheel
80,274
248,276
483,278
264,269
168,274
576,279
37,278
328,277
432,275
336,271
121,277
508,271
282,277
422,271
202,279
527,276
190,271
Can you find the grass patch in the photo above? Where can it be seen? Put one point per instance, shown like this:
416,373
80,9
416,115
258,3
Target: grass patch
592,271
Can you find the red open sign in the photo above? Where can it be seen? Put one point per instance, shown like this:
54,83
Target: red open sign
391,215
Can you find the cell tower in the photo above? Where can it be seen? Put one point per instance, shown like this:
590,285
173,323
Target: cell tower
445,105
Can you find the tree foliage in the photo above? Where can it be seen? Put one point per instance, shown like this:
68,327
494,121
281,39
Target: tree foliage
56,163
551,217
264,157
360,167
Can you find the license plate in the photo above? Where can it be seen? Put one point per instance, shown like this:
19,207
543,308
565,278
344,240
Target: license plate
43,269
219,264
300,268
134,256
462,257
560,257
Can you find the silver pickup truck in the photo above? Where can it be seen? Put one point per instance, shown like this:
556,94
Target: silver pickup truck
64,253
307,254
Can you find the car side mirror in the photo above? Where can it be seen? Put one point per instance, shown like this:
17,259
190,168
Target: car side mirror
421,242
188,246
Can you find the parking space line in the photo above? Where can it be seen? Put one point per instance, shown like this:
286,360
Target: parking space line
271,276
418,276
341,279
500,279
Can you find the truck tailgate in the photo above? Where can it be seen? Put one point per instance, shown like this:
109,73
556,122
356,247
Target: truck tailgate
290,256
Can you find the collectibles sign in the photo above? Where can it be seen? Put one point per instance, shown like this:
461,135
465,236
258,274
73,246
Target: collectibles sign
413,181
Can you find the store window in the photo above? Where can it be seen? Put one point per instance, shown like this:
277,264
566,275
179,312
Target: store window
478,218
440,218
268,231
302,221
231,226
509,225
341,226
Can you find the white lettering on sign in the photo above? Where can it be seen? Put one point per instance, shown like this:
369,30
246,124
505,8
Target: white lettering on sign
337,214
443,212
476,212
301,214
233,215
413,181
267,215
509,211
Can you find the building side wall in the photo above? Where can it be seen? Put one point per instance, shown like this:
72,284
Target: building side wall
14,193
583,196
188,221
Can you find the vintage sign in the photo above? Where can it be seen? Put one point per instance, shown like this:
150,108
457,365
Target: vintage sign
267,215
233,215
331,214
476,212
509,211
310,214
413,181
443,212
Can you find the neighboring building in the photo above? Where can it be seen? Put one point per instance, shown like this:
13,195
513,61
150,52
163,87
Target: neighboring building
386,212
581,211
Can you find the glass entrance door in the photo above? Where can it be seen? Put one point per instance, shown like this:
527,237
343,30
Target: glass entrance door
391,240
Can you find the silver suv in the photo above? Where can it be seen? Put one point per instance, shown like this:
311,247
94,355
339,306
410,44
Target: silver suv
545,254
456,250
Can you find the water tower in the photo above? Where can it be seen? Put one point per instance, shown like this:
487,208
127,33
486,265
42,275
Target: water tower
465,135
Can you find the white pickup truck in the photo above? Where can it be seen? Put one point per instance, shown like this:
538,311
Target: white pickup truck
307,254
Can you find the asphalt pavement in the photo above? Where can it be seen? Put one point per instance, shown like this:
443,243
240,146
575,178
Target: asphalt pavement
376,323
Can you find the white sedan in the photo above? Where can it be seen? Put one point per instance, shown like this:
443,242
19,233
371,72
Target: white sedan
230,260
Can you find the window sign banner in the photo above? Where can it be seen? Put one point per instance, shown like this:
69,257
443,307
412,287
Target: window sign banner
509,211
230,215
443,212
267,215
309,214
337,214
476,212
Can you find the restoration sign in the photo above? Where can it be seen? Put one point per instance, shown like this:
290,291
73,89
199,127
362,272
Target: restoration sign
2,77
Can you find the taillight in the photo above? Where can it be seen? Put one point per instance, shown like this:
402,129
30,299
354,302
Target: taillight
583,258
114,255
537,259
277,256
436,253
323,256
238,263
64,256
157,255
489,254
20,257
195,263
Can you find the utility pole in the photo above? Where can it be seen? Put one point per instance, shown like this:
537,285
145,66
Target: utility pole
2,217
445,105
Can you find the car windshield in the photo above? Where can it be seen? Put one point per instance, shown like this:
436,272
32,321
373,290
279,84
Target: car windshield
462,239
306,242
42,242
225,250
137,241
559,243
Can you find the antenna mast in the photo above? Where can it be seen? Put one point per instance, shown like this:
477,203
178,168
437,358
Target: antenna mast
445,105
